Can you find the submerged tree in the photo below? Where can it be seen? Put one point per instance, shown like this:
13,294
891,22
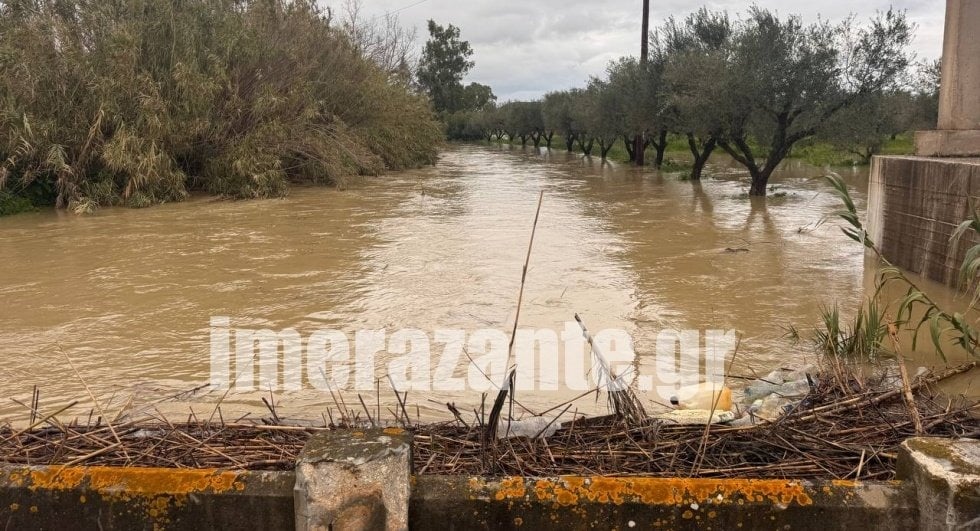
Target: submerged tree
635,95
696,55
556,111
787,80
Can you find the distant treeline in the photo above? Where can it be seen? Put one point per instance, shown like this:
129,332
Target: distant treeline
138,102
752,87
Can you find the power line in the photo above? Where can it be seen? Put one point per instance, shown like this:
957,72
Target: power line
399,10
396,11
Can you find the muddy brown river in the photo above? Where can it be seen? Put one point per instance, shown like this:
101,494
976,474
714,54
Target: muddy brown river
127,295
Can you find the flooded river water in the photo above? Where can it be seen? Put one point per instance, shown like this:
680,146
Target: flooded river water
127,295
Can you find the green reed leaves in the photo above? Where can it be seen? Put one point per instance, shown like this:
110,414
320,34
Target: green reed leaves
915,302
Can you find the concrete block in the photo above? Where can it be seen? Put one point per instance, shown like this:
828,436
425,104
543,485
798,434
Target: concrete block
915,204
354,481
947,143
123,499
946,477
573,503
959,99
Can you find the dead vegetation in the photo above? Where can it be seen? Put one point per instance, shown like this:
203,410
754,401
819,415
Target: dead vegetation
849,427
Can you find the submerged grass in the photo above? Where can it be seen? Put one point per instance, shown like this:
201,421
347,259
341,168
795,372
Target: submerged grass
862,339
826,154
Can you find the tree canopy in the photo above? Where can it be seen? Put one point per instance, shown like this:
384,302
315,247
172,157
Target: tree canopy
445,62
753,87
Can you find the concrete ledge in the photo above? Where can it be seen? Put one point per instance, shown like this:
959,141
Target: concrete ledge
142,498
946,475
354,481
361,480
571,503
947,143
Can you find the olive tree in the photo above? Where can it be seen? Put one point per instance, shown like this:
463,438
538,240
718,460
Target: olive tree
871,121
556,112
522,120
787,80
604,115
582,113
695,55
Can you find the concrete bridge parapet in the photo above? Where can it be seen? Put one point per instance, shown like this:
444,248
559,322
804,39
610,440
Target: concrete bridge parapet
361,480
958,134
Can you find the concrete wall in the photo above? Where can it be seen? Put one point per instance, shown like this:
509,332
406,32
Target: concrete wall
360,481
959,101
138,498
576,503
915,204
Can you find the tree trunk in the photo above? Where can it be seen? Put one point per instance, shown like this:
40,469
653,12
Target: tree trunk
548,138
701,154
570,141
630,147
604,147
586,146
742,152
536,138
660,144
759,183
523,140
639,149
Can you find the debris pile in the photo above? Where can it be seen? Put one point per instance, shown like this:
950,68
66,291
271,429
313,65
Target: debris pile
846,426
843,426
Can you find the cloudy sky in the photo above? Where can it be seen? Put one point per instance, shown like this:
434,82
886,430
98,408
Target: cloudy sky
526,48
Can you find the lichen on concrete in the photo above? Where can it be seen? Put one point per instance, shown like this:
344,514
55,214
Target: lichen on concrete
354,480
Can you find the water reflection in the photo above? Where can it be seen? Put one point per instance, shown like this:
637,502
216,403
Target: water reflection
128,294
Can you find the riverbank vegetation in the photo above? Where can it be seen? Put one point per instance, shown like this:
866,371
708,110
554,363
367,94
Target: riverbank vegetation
139,102
758,87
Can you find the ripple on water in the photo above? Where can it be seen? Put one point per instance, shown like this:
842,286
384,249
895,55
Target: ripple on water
129,294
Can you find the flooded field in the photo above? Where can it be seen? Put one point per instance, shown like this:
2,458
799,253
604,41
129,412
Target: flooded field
127,295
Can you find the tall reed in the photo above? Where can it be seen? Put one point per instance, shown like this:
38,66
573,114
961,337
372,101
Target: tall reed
139,102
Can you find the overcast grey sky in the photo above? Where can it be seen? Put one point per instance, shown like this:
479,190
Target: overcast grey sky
526,48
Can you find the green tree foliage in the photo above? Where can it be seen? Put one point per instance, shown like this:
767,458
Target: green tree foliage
925,89
635,98
789,79
754,87
477,97
695,58
871,121
522,120
138,102
445,62
466,110
556,114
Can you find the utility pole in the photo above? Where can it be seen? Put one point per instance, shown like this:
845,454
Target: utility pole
645,38
639,143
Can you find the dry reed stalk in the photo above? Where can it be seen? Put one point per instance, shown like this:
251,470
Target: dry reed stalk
506,386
